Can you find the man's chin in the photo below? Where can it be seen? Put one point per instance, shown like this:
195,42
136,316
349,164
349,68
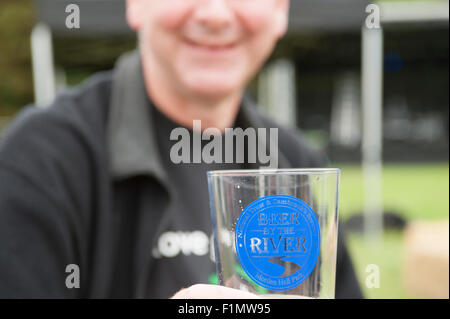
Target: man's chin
213,87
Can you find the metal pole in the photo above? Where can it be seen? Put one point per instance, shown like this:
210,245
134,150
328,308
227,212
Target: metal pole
43,68
372,81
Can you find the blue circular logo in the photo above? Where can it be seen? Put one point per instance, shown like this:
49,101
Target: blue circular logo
277,240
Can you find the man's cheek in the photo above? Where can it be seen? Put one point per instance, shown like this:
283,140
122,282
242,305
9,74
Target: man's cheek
173,14
255,21
259,49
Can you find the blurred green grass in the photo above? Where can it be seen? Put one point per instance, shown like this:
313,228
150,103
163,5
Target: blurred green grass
416,192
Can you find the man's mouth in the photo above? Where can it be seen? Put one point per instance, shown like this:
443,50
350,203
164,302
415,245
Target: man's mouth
211,47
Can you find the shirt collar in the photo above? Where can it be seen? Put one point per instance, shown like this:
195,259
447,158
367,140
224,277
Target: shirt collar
131,139
132,144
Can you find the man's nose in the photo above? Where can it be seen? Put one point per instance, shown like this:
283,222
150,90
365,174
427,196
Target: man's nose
214,14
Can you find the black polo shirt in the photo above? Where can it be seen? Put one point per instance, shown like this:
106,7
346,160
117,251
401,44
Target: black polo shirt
184,252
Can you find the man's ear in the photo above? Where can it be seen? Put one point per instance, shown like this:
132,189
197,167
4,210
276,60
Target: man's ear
133,14
282,17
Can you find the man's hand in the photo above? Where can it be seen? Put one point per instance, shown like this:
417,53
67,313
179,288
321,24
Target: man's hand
201,291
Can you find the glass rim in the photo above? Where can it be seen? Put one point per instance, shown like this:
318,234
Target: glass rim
273,171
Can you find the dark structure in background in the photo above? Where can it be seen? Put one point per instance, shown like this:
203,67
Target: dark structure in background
415,99
324,48
415,89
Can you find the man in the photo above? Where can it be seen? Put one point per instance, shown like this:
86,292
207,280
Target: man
88,186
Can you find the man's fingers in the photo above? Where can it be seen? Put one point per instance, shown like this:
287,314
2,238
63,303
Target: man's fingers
201,291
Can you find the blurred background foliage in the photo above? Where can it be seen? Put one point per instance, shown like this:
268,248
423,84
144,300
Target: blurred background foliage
80,58
16,22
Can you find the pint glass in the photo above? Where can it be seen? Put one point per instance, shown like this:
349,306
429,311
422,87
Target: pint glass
275,231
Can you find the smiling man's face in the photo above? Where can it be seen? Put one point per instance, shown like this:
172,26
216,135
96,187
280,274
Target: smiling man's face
207,47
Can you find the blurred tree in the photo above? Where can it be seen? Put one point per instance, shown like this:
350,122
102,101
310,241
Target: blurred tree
16,22
78,56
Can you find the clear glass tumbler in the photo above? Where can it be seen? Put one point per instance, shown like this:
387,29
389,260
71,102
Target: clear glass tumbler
275,231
